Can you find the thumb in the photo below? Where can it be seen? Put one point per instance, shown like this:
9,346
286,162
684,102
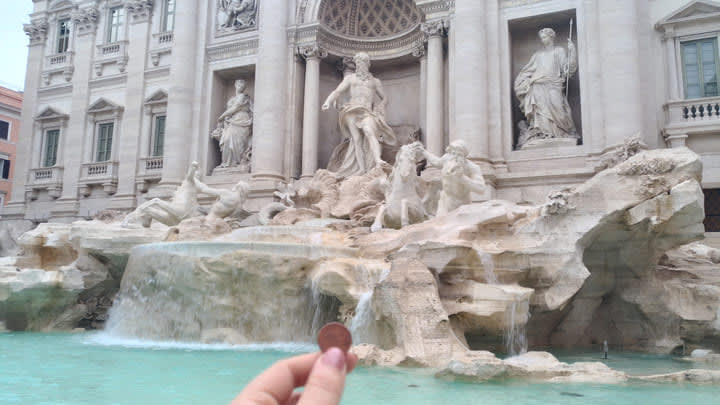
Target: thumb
327,379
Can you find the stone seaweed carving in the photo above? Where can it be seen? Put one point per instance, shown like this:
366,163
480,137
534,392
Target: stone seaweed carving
182,205
234,130
630,147
540,88
460,177
234,15
362,121
403,202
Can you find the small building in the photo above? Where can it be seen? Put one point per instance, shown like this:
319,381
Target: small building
10,108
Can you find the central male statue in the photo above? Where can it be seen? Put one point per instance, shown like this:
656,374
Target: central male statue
362,121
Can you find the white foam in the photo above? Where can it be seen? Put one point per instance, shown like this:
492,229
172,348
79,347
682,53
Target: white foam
104,339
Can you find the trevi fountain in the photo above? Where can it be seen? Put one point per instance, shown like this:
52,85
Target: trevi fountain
449,297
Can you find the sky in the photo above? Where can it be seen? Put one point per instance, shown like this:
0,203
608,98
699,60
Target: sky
13,42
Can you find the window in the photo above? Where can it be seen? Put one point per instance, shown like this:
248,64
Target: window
115,20
712,209
63,35
158,138
5,167
4,130
701,67
52,137
103,149
168,22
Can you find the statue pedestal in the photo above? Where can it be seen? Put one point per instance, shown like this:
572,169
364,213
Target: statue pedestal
549,143
234,171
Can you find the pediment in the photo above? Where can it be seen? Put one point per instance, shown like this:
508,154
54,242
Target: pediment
158,97
103,105
693,11
49,114
58,5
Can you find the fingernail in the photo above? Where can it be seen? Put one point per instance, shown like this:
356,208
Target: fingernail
334,357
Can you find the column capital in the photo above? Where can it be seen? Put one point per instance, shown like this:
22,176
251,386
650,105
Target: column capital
139,10
85,20
311,51
419,51
36,31
435,28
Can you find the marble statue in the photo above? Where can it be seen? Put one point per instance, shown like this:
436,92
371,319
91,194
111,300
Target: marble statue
460,177
234,130
182,205
228,202
540,87
237,14
362,121
403,204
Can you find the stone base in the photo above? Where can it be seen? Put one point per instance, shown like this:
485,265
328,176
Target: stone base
549,143
230,171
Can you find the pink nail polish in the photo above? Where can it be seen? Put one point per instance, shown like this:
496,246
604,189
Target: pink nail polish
334,357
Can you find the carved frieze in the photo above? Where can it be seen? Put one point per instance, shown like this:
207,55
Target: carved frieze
139,10
232,50
236,15
36,31
85,20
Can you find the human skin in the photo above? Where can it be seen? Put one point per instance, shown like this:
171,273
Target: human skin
322,375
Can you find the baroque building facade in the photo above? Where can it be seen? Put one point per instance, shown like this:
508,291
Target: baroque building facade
122,95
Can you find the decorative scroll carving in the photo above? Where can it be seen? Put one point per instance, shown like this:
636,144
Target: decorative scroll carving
37,31
312,51
139,10
85,20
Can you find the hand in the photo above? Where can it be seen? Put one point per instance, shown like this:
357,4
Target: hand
323,376
326,106
571,44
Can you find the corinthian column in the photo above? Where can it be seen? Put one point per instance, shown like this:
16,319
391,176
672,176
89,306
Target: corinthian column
180,96
471,78
434,106
270,92
311,110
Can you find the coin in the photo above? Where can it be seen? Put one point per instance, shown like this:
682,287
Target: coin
334,334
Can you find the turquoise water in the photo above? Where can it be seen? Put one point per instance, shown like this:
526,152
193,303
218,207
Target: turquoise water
80,369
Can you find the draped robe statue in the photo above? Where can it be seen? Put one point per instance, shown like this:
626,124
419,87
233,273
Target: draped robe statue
540,88
362,122
234,130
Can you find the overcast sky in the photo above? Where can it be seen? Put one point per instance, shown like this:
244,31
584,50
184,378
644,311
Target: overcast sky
13,42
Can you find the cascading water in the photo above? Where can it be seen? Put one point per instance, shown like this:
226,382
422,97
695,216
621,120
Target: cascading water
362,325
515,337
488,266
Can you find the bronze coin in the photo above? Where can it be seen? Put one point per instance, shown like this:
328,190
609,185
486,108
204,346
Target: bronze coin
334,334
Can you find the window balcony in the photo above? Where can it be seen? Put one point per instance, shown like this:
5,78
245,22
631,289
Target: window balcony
45,178
103,174
687,117
149,171
161,44
113,52
59,63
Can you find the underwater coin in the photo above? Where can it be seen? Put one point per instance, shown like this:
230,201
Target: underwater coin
334,334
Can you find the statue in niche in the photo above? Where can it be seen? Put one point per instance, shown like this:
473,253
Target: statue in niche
234,130
540,87
182,205
362,121
460,177
237,14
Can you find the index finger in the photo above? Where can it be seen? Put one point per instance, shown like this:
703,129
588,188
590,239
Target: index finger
276,384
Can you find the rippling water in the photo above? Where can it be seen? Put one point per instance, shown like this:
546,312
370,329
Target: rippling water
84,369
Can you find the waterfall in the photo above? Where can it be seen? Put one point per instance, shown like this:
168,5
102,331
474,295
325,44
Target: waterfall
488,266
362,325
515,336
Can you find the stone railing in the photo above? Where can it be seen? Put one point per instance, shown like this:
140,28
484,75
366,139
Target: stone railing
46,176
58,60
114,52
687,117
162,39
701,109
150,167
92,172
